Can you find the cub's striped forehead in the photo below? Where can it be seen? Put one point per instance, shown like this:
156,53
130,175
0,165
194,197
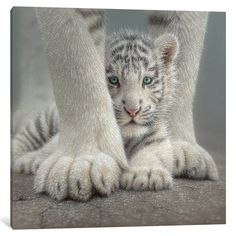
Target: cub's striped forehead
129,52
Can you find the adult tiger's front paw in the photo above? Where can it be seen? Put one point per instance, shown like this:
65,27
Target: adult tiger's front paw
146,178
193,161
77,178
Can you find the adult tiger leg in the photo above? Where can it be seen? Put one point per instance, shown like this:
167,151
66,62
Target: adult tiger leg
90,152
189,27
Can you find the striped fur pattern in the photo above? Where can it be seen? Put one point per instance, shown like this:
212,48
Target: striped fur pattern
80,164
37,132
130,57
190,27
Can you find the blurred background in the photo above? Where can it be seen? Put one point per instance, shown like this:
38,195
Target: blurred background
32,90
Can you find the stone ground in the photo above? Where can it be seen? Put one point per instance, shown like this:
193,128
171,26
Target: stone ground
189,202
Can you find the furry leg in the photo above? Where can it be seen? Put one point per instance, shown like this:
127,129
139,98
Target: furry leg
190,29
89,137
30,161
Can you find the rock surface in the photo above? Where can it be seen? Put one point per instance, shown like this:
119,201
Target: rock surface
189,202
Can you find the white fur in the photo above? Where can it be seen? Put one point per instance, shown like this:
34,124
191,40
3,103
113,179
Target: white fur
151,168
88,126
190,28
90,159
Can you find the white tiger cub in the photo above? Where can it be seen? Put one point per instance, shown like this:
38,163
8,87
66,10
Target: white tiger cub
141,80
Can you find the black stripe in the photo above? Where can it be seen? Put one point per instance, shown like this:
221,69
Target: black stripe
56,123
118,57
155,100
158,140
159,20
128,143
51,125
146,114
111,86
135,51
117,49
125,67
97,25
109,69
50,122
39,142
23,142
152,68
137,37
89,12
144,60
163,85
155,82
142,49
116,42
140,141
127,58
29,138
156,91
156,72
129,46
135,66
130,37
146,43
136,62
38,126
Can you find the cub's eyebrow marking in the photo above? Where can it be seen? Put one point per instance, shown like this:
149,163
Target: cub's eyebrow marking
155,70
109,69
152,68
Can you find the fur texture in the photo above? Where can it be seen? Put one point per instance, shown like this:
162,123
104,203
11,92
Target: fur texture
77,69
145,70
190,27
159,140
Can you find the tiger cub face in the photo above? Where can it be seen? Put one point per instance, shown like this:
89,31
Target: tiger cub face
140,75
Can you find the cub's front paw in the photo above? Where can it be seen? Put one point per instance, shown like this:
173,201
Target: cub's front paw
77,178
146,178
193,161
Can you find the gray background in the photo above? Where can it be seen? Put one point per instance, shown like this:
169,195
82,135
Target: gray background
31,85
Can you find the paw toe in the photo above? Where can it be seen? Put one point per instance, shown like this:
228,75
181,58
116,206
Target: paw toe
80,186
105,175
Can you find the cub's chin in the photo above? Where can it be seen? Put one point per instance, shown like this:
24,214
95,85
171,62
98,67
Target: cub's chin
133,129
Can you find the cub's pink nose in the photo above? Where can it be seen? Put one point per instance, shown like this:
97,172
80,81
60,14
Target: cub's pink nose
132,112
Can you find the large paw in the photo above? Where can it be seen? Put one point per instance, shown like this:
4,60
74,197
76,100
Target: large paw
194,162
77,178
29,162
146,178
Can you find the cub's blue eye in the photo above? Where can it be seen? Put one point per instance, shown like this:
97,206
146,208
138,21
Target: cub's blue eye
147,80
113,80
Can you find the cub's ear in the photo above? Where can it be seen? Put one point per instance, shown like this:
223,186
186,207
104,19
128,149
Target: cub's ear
167,48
